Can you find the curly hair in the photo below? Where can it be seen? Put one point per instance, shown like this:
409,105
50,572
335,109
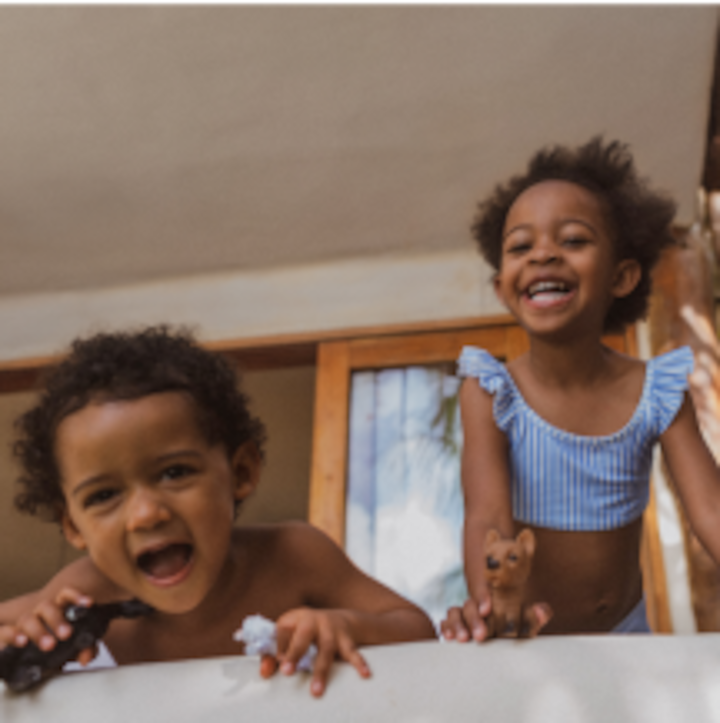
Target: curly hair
639,218
126,366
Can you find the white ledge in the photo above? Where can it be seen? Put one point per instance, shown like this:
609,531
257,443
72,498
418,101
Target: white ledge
583,679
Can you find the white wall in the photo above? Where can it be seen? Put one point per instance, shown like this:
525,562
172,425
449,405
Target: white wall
332,295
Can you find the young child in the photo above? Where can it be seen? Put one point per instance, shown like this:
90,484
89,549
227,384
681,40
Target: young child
142,448
560,440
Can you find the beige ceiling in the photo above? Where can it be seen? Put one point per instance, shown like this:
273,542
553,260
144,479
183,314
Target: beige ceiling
141,143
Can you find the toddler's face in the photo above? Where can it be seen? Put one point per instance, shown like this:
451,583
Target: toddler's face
150,498
558,269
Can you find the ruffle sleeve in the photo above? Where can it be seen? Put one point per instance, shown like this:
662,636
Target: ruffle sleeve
494,378
669,383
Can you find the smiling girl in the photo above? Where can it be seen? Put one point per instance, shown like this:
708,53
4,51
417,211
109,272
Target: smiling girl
143,449
561,439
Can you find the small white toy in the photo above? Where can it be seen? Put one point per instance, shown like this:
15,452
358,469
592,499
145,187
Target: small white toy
258,634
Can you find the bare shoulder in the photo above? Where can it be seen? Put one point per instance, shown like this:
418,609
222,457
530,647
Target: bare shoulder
471,391
624,377
291,541
299,559
478,418
629,377
476,403
519,365
623,366
302,566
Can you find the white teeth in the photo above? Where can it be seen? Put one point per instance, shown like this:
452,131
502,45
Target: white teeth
543,286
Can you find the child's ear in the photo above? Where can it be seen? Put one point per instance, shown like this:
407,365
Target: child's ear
71,532
628,273
246,464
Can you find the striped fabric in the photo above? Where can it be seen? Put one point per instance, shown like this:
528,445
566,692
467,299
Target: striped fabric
570,482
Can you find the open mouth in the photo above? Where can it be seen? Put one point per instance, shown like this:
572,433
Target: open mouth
547,293
166,565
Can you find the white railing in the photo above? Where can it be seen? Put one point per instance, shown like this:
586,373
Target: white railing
584,679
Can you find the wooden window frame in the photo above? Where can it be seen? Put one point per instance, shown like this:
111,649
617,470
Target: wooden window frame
336,362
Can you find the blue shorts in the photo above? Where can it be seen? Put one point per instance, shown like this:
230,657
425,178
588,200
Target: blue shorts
635,621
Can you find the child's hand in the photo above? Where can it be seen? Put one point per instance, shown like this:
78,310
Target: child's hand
462,623
45,624
470,620
329,630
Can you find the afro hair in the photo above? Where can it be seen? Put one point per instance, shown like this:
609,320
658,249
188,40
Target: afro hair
125,366
640,218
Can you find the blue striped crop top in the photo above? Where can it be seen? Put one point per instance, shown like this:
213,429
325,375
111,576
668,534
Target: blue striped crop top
566,481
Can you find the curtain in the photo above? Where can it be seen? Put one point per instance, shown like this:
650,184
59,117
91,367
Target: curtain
404,501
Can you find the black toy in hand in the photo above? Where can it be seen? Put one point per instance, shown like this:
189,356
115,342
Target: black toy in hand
22,668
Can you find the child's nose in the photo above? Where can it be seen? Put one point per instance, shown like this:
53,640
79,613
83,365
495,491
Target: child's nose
146,510
545,251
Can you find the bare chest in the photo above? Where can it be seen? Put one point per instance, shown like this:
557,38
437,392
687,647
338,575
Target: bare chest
594,410
201,634
585,414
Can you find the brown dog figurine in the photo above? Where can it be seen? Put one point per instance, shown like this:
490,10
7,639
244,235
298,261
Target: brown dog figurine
507,568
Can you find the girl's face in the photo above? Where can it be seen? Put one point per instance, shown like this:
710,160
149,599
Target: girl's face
149,498
558,271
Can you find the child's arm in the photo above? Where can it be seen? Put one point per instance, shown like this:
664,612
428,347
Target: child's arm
696,476
486,488
344,609
11,610
39,616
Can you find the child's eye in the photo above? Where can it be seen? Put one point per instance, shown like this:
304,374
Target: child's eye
99,497
177,471
575,242
518,247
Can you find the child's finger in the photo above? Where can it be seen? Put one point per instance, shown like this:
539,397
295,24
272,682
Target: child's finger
297,647
34,629
285,629
474,620
53,618
539,616
453,627
70,596
268,666
10,635
349,653
86,656
321,667
484,604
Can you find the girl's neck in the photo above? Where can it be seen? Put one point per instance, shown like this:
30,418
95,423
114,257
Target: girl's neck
579,361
